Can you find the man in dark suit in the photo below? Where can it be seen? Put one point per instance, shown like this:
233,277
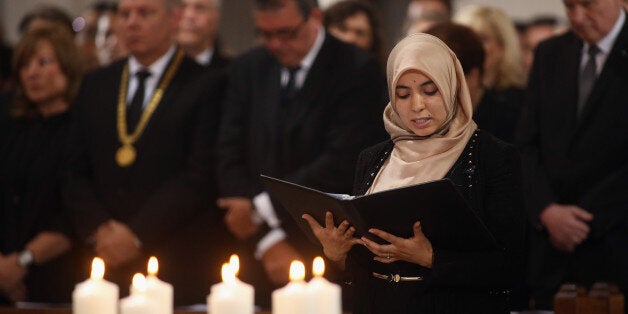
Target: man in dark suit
140,180
198,33
574,148
301,107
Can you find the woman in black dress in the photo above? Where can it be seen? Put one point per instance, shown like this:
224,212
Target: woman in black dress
433,137
33,230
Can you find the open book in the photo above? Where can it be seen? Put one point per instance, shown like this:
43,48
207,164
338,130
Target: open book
446,218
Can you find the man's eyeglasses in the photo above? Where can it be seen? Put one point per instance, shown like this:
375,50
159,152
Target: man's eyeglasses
282,34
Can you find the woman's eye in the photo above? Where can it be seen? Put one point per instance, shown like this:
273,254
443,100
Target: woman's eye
44,61
429,89
403,96
431,92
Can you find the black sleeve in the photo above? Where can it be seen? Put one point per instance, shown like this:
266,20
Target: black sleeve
536,185
84,208
233,139
504,216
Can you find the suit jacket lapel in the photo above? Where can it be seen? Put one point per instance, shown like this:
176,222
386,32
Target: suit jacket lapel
110,110
271,88
572,67
314,83
267,113
615,62
167,99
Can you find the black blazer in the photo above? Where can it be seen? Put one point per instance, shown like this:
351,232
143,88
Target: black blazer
336,114
167,196
219,61
31,160
487,174
581,161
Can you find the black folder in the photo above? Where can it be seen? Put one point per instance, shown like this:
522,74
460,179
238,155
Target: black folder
446,218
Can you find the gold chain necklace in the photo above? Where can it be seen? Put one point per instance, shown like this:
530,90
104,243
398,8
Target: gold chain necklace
125,155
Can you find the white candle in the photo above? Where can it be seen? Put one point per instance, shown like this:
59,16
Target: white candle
137,302
158,291
294,297
95,295
231,296
327,294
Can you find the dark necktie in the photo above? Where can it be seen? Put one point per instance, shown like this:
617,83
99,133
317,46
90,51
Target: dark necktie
587,78
290,89
134,111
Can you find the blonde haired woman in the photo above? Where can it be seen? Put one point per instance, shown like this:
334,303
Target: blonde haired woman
502,68
503,78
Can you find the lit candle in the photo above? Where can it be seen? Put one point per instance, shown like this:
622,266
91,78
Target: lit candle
326,293
234,261
95,295
157,291
137,302
294,297
231,296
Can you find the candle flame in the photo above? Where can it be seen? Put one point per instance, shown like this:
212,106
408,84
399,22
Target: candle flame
139,282
228,273
234,261
318,266
153,266
98,268
297,271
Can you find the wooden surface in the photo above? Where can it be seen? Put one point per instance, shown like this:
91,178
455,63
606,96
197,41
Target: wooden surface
8,310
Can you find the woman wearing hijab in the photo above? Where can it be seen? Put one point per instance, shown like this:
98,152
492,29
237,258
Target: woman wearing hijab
432,136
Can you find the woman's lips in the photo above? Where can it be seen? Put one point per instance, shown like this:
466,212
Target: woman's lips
421,122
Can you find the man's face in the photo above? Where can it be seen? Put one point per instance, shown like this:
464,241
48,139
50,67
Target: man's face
199,24
286,33
148,27
591,20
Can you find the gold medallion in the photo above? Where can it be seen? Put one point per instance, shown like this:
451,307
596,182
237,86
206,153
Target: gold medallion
125,156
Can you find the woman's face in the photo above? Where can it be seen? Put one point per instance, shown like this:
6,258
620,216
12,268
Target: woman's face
354,30
41,75
419,103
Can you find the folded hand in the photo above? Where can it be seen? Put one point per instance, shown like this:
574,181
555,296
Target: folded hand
11,276
277,260
567,225
116,243
239,216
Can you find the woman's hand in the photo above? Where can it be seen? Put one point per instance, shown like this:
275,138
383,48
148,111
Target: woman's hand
417,249
11,277
336,241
